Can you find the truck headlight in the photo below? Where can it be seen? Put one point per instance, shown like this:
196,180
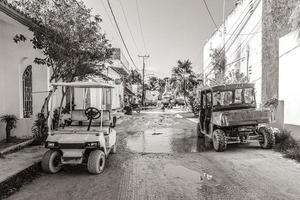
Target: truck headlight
92,144
51,144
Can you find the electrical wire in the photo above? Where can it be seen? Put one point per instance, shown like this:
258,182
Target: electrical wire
121,36
139,20
125,17
211,17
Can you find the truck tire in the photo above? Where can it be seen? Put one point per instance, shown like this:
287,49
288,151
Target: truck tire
199,133
219,140
269,138
51,161
96,162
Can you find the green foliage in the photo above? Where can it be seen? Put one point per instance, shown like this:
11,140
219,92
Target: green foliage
11,123
183,79
134,77
286,144
10,120
71,40
40,129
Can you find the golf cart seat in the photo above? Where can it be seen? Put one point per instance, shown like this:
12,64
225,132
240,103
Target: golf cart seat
79,116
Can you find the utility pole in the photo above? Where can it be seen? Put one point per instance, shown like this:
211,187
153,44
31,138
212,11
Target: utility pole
143,93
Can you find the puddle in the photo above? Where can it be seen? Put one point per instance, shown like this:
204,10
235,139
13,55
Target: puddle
165,140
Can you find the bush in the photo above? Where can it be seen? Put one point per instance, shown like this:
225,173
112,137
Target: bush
286,144
40,129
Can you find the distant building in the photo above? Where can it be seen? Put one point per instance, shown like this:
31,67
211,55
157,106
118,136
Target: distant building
23,84
260,43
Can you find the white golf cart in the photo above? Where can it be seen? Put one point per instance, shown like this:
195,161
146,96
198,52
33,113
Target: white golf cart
88,136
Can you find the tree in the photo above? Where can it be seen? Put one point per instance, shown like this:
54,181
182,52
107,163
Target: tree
218,62
71,39
183,79
11,121
295,19
134,77
153,83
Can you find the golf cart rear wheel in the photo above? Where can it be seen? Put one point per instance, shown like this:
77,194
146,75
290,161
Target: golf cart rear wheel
96,162
199,133
219,140
268,138
51,161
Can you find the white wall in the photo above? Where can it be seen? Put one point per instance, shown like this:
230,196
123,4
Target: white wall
14,58
289,70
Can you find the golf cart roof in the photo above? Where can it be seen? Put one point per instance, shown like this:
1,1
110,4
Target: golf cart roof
229,87
81,84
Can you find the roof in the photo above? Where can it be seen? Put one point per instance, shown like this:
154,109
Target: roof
81,84
120,70
128,92
229,87
19,16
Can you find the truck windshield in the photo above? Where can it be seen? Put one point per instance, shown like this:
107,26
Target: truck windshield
238,96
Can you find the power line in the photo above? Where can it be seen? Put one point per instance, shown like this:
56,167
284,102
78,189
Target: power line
139,19
211,17
109,18
125,17
112,12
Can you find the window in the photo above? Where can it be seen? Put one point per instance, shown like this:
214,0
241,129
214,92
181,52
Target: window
238,96
223,98
249,95
27,92
208,95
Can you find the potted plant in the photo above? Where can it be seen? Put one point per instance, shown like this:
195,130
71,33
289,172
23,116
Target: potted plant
11,123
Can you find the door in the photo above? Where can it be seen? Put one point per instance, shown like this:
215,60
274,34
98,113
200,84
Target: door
202,110
208,110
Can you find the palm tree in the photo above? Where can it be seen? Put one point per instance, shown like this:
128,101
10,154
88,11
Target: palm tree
183,79
11,121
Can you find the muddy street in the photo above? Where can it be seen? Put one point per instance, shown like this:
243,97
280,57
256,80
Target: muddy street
160,157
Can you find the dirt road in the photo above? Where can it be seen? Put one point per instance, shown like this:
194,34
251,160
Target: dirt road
160,157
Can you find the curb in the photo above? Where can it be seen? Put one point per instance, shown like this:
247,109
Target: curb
15,182
16,147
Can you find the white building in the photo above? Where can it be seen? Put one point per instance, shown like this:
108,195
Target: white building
23,84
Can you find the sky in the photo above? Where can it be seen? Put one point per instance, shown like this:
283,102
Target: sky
169,30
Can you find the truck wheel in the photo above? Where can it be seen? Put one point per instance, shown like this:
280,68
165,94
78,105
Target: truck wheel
219,140
269,138
199,133
96,162
51,161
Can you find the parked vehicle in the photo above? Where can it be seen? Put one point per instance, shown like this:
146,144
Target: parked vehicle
179,101
228,115
87,139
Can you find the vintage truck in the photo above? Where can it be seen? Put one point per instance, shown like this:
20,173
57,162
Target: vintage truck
228,115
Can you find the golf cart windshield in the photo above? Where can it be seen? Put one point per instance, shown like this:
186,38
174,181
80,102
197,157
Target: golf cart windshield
86,105
238,97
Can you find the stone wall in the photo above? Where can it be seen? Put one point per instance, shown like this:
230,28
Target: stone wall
275,24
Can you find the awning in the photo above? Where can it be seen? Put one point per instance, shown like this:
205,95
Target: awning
120,70
81,84
128,92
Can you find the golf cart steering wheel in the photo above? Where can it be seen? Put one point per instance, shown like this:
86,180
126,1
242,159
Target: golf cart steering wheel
92,113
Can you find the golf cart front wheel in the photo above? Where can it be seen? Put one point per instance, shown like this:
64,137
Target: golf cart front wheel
51,161
96,162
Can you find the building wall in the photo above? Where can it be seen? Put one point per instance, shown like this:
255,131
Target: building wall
117,91
275,25
14,58
289,53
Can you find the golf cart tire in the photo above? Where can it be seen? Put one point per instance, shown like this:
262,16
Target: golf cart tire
48,162
94,165
114,149
269,138
199,133
219,140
